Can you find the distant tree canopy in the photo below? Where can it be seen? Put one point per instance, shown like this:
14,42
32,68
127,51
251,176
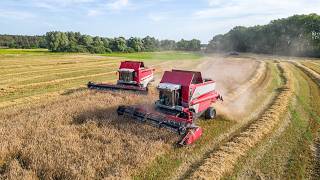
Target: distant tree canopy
57,41
297,35
75,42
23,42
193,45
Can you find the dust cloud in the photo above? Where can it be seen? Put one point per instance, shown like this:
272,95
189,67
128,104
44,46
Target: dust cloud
233,75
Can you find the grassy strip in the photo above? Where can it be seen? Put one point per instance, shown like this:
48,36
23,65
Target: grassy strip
169,55
226,156
286,155
290,155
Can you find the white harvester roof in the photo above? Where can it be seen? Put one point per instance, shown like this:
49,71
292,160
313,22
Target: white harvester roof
169,86
125,69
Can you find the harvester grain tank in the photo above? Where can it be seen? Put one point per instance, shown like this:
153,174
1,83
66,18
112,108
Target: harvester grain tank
133,75
183,97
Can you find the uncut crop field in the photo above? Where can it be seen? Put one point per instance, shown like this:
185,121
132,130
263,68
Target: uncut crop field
52,127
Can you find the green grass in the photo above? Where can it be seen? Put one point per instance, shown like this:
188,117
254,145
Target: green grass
168,55
288,156
164,55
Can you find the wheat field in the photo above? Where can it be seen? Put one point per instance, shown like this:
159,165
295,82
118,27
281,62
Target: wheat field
52,127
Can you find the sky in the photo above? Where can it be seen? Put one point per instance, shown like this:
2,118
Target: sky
163,19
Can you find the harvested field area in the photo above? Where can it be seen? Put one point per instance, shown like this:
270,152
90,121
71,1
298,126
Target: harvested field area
52,127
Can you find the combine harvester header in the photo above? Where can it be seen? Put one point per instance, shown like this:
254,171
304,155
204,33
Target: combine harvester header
133,75
183,97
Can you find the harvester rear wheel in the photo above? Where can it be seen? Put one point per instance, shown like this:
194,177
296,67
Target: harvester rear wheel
210,113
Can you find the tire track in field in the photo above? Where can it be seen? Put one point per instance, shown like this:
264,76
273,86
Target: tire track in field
223,159
33,98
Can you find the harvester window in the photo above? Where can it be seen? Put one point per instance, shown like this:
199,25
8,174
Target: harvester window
169,98
126,76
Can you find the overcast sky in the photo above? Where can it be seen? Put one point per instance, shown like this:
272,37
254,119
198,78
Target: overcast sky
164,19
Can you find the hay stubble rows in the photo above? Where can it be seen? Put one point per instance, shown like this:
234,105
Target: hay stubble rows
78,135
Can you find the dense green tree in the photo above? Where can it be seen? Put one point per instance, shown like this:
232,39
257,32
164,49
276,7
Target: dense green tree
86,40
192,45
57,41
118,44
167,45
150,43
135,44
24,42
297,35
76,42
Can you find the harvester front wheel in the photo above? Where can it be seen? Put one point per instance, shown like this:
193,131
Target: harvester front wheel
210,113
120,110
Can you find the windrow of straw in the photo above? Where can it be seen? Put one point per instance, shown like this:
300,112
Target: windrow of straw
314,75
225,157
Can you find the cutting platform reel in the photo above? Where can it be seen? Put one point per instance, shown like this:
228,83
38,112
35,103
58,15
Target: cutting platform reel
175,123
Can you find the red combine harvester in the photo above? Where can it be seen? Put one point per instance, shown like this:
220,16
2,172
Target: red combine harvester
183,97
132,76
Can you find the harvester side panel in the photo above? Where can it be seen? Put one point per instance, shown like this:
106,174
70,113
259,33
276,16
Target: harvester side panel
131,65
137,79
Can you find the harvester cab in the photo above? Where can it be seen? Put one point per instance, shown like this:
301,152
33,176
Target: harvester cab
183,97
133,75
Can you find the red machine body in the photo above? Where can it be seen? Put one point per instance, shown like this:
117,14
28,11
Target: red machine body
133,75
183,97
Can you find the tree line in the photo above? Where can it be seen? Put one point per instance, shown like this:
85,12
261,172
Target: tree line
298,35
57,41
22,42
76,42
